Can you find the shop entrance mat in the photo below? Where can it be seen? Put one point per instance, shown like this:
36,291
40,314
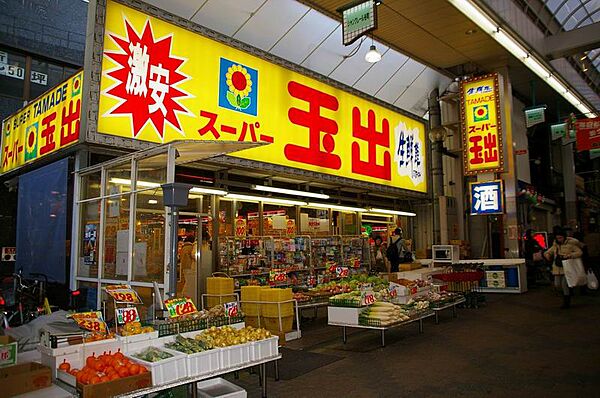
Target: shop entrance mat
295,363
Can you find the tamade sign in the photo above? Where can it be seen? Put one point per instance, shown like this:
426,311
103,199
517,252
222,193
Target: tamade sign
46,125
481,125
162,83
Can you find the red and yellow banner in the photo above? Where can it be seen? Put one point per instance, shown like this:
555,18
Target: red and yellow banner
481,125
588,134
162,83
44,126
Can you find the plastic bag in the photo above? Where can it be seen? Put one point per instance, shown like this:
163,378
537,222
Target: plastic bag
574,272
592,281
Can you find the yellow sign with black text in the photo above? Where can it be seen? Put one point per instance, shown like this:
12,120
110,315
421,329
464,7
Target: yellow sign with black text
481,125
44,126
162,83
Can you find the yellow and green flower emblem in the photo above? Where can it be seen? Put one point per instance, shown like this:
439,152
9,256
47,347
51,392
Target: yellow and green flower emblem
240,85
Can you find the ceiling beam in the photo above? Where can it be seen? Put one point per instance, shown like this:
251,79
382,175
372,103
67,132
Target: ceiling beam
572,42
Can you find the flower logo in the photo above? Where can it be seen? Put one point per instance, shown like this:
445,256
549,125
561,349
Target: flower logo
481,113
238,87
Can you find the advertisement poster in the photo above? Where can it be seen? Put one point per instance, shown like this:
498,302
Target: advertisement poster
481,125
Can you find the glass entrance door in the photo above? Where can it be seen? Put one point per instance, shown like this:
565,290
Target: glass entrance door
194,255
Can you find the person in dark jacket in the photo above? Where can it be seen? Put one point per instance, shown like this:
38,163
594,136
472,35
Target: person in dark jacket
532,252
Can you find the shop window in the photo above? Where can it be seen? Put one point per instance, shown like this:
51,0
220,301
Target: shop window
225,218
88,246
118,179
12,74
149,245
151,172
90,186
349,223
44,76
247,211
314,222
116,238
279,220
87,300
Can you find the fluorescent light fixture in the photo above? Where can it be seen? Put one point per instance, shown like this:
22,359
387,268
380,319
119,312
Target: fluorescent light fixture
510,44
373,55
394,212
537,67
209,191
487,24
290,192
139,184
265,199
377,215
336,207
475,15
152,201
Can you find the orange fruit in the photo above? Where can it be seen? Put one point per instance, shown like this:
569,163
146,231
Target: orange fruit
104,379
79,376
109,369
134,369
114,376
65,366
143,369
94,380
90,360
123,371
85,379
99,365
118,355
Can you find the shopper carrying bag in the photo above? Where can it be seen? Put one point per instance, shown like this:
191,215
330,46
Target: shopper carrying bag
564,249
592,281
574,272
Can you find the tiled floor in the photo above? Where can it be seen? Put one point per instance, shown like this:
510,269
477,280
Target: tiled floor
516,345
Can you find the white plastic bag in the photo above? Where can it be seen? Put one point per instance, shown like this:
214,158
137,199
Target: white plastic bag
592,281
574,272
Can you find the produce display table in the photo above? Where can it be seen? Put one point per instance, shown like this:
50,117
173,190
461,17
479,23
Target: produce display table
191,381
441,307
383,329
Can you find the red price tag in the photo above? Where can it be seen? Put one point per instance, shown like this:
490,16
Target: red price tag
127,315
91,321
277,276
342,272
231,309
180,306
123,294
369,299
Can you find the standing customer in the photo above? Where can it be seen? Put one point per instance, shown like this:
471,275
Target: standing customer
564,248
380,265
396,250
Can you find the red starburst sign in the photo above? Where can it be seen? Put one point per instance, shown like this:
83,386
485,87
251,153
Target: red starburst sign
146,80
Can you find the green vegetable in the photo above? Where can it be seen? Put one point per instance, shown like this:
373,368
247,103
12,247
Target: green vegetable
188,346
152,354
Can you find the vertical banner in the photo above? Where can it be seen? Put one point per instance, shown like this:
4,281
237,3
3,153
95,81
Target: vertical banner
481,125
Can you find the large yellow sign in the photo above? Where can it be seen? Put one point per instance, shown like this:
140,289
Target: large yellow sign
481,125
162,83
44,126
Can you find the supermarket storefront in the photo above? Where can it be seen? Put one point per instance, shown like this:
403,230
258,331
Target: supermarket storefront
354,165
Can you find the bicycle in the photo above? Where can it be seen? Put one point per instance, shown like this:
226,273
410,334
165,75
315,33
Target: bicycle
25,301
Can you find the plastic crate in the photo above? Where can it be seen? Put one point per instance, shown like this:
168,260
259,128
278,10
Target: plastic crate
345,303
272,323
235,355
137,342
266,348
167,370
220,388
53,357
200,363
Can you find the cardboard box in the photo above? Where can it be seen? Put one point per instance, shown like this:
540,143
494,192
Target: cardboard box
115,387
24,378
8,351
410,266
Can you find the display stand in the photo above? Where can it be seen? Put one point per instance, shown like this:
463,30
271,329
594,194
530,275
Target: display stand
383,329
445,306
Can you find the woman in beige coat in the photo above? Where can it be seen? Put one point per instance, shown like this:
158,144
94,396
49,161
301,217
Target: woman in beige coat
564,248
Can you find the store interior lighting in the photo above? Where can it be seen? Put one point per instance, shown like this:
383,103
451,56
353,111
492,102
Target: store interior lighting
139,184
209,191
337,207
290,192
505,39
152,201
392,212
373,55
265,199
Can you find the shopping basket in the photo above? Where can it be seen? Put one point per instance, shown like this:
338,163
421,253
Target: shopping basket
465,279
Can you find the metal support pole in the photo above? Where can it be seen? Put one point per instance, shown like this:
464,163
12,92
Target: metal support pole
421,325
344,334
276,363
263,369
454,315
193,390
383,337
437,317
437,169
173,253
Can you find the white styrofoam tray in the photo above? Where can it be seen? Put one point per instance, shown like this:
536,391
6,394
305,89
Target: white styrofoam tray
220,388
